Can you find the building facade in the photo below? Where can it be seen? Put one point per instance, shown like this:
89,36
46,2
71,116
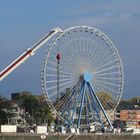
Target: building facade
130,118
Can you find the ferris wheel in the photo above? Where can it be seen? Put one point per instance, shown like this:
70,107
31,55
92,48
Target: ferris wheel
82,76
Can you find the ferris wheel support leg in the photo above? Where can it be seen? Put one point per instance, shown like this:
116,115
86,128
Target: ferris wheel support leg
87,111
82,101
77,101
63,111
100,105
71,107
90,106
95,107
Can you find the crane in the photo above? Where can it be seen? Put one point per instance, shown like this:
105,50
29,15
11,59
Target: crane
28,53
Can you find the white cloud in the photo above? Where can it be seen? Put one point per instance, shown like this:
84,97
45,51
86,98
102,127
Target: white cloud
99,13
98,19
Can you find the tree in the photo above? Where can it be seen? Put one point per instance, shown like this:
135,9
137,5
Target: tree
29,103
5,111
35,109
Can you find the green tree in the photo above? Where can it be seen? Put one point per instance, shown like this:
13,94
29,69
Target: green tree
36,109
29,103
5,111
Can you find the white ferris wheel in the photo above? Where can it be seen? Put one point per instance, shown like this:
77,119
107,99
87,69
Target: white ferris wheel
82,76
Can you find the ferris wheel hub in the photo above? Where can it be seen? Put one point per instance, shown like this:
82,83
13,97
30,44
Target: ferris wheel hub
88,76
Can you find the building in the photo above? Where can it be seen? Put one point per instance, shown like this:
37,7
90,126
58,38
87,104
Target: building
128,112
130,118
16,96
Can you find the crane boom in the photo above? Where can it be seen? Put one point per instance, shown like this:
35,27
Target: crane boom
27,54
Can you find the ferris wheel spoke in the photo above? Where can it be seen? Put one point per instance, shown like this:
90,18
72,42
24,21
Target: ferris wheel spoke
108,83
54,94
71,67
106,64
85,43
63,101
93,54
88,45
69,96
108,78
55,70
107,105
107,88
86,110
81,104
76,104
92,49
104,61
107,69
95,102
55,75
72,105
104,53
80,50
72,54
86,51
107,74
62,84
107,58
63,87
103,89
83,57
104,104
100,105
99,47
61,80
107,102
98,54
102,100
54,64
92,110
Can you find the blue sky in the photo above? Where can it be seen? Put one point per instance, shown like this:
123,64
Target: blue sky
23,23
